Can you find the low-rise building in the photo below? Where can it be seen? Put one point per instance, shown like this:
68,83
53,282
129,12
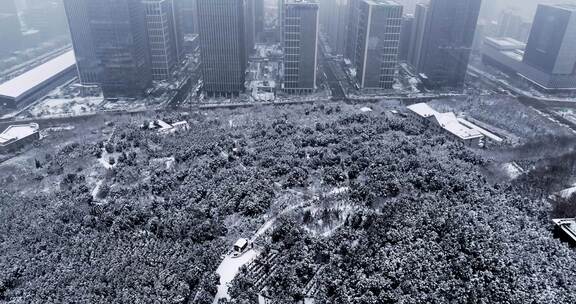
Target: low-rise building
446,122
566,229
17,136
38,81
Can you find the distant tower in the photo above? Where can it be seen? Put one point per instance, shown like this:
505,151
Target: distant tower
250,25
334,21
187,14
110,42
405,37
417,36
259,18
300,43
378,38
352,30
222,44
551,47
448,41
163,38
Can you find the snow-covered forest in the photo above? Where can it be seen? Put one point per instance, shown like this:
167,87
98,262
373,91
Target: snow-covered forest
391,212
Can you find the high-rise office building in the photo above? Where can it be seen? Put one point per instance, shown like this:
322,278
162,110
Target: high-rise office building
250,25
259,18
334,23
164,37
378,39
509,24
186,12
448,41
512,25
88,65
110,42
352,30
551,47
221,27
300,43
10,32
405,37
417,36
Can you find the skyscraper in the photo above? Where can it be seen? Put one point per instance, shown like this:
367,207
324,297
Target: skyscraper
376,55
405,37
163,37
300,43
259,17
448,41
88,64
110,40
417,36
551,47
352,30
334,21
186,11
250,25
222,45
509,24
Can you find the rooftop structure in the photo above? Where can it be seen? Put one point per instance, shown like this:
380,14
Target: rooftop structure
566,228
467,132
450,123
18,89
423,110
16,136
505,43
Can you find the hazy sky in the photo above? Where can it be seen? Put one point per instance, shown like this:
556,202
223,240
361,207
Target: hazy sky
526,8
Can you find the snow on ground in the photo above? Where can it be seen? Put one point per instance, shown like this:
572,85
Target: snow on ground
72,106
229,267
339,190
228,270
96,189
567,193
512,170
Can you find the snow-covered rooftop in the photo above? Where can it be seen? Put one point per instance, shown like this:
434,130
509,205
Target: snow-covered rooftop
422,109
22,84
484,132
568,226
447,121
505,43
450,123
16,132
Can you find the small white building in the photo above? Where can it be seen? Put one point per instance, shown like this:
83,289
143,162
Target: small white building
17,136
